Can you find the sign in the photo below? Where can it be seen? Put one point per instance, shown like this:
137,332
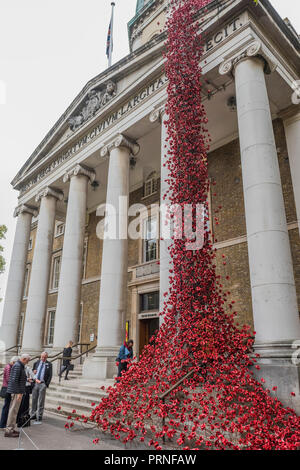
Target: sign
97,130
147,315
224,33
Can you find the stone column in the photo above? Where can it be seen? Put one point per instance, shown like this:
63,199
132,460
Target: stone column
40,272
292,133
113,290
275,310
69,291
16,277
165,242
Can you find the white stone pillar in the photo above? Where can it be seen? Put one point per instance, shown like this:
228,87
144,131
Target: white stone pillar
275,309
113,290
16,277
40,272
292,133
69,291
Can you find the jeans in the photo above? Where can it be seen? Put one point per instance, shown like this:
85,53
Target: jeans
5,410
122,367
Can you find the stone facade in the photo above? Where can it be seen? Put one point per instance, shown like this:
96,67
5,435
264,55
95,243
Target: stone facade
228,226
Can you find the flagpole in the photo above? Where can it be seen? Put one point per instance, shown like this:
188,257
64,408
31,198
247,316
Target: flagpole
112,32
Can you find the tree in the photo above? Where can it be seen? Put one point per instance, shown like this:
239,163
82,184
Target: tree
3,230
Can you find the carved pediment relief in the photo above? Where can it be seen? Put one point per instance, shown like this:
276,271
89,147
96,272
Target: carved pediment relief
96,99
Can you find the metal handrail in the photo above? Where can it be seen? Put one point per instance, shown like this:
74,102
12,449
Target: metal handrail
17,347
73,358
165,394
55,357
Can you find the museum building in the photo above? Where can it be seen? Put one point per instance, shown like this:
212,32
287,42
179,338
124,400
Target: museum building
65,282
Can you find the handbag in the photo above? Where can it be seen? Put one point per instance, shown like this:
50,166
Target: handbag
3,392
71,367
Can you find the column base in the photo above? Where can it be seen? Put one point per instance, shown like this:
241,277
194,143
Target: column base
280,366
102,365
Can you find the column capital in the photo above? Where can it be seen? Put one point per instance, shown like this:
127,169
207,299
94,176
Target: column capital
80,170
255,49
121,141
24,209
49,192
157,114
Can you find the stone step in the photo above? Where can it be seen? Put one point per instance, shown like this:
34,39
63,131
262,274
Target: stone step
68,386
76,396
68,406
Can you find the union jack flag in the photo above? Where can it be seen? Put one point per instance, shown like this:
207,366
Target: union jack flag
109,44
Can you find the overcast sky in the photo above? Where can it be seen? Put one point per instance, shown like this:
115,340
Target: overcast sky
49,50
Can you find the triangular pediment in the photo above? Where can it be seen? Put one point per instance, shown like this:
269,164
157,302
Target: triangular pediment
100,96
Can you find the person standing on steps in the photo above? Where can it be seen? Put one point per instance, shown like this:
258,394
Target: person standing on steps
43,376
67,352
125,354
16,387
4,394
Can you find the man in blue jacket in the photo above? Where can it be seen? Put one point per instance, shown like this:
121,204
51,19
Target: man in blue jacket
125,354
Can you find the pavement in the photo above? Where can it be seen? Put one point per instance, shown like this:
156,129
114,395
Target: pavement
52,435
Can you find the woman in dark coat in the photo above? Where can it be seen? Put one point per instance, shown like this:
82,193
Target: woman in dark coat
66,362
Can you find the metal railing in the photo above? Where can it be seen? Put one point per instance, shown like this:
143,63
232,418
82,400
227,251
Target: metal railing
51,358
72,358
167,392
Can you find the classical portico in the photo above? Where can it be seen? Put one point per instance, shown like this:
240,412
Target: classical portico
110,148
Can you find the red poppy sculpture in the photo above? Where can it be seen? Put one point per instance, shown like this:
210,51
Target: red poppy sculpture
194,385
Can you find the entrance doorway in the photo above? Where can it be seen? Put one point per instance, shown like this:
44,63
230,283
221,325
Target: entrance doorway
148,327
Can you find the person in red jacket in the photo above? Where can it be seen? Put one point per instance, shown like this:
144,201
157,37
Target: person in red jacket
4,394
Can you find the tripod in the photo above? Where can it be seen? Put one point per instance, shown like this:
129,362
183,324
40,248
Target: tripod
20,435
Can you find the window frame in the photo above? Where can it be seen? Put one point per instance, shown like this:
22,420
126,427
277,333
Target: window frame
145,240
53,271
47,332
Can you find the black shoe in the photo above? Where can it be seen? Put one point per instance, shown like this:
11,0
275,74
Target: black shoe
12,434
33,418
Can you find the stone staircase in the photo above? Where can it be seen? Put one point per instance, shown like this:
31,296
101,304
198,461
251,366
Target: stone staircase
74,394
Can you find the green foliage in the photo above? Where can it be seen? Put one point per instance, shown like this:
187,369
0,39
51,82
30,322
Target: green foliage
3,231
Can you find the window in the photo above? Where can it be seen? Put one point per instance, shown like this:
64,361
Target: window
149,301
60,229
55,272
84,258
50,329
150,239
20,329
26,279
30,244
150,185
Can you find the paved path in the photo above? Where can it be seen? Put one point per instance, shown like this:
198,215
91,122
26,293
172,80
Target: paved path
51,435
